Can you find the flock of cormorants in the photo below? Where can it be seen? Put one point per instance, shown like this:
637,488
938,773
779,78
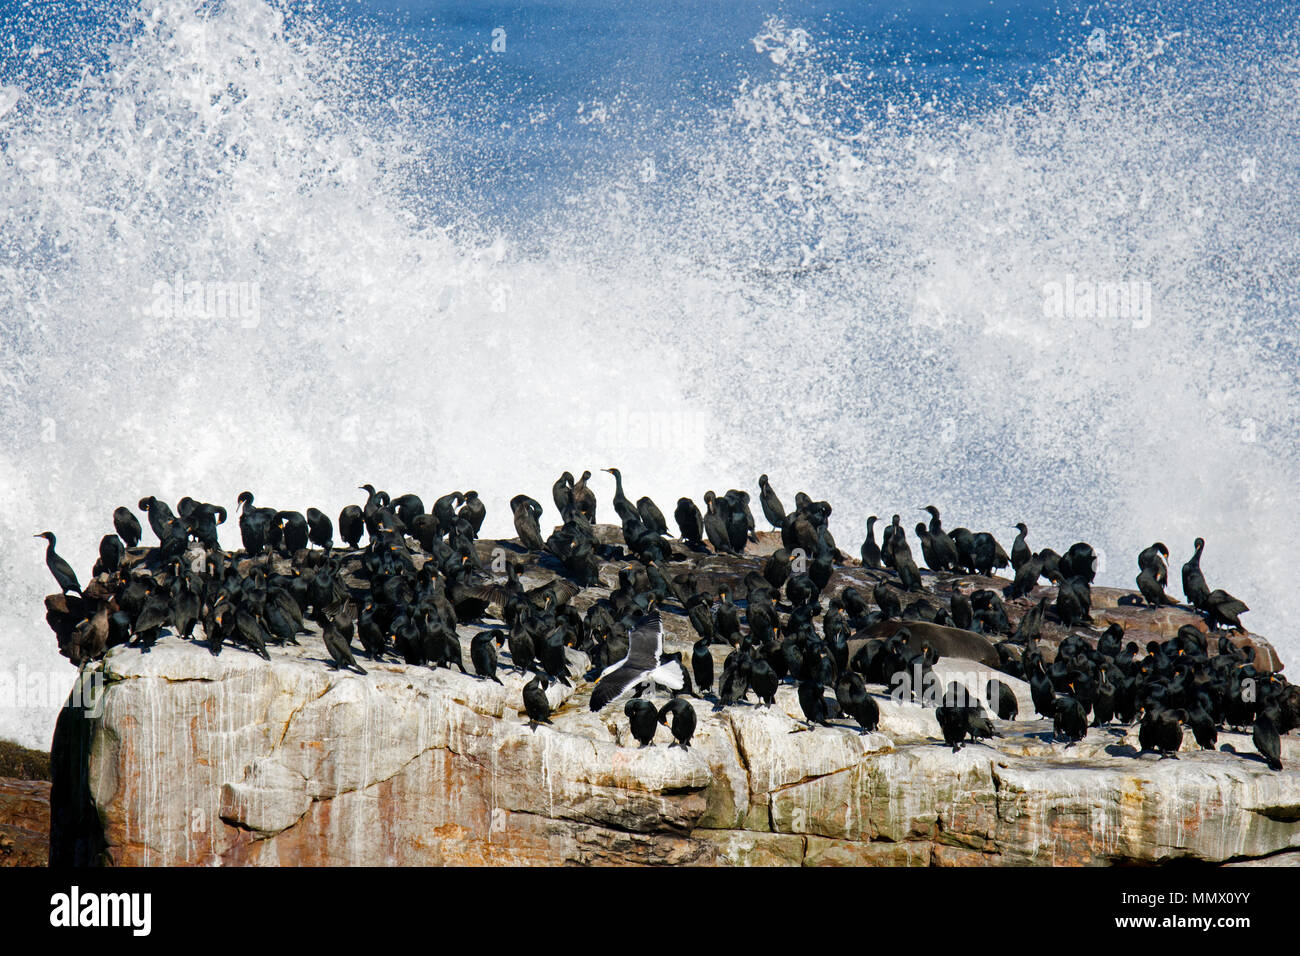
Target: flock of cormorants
420,575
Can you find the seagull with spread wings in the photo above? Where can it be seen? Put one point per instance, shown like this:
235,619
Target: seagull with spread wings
641,668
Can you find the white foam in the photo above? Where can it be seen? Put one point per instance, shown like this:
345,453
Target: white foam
846,296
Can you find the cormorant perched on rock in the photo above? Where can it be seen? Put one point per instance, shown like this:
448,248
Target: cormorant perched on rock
651,516
483,655
320,530
1152,575
294,530
62,571
1002,699
536,704
1041,689
715,525
1267,741
1070,721
376,511
1079,561
683,725
527,511
763,680
944,548
111,551
1162,731
1104,697
773,510
444,511
127,526
776,568
689,521
987,554
734,509
813,702
160,515
1026,578
855,702
908,574
702,663
1218,606
351,524
739,502
251,632
643,717
473,511
1020,552
932,560
1154,558
871,550
1201,720
1194,586
339,647
1073,602
953,716
965,543
622,504
978,724
726,618
200,520
562,495
584,499
1223,609
1031,624
408,507
255,525
370,634
891,608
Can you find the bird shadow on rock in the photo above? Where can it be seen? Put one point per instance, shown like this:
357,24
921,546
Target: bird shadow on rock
1244,754
1121,750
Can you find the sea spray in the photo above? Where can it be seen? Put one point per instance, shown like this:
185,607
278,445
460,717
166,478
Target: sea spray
825,279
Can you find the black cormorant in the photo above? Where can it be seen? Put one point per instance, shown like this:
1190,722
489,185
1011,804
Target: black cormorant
683,725
643,717
773,510
62,571
127,526
536,704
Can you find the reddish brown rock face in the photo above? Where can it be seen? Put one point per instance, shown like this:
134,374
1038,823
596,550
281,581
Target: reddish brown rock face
24,822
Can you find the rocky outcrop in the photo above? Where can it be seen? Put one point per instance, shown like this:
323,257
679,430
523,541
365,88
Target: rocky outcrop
203,760
186,758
